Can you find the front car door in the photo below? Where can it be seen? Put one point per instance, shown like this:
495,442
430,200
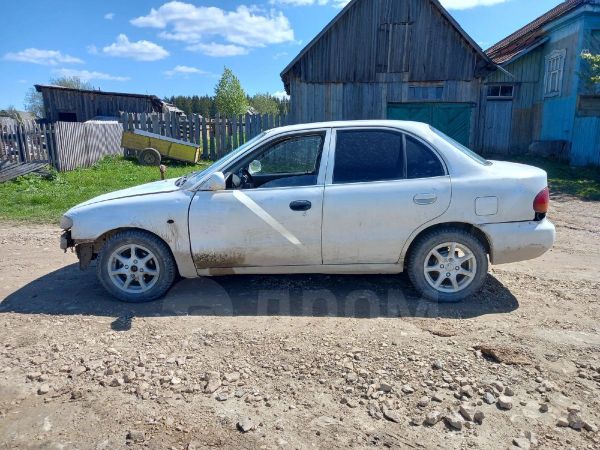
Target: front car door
381,185
271,212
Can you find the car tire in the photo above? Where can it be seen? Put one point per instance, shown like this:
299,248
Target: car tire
136,266
428,260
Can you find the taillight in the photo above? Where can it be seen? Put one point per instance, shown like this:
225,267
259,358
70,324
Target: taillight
542,201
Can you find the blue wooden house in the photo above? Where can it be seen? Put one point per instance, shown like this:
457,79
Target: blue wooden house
539,98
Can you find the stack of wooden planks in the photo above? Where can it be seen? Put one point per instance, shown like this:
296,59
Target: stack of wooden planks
10,171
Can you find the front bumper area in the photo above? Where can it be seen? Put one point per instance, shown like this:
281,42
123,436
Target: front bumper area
519,241
66,241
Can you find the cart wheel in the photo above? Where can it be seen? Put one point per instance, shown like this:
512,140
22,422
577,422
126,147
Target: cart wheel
149,157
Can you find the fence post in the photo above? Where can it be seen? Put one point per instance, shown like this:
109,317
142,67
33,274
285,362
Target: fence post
144,121
234,133
22,143
225,139
205,154
218,134
212,127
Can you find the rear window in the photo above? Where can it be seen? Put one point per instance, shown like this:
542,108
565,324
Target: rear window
470,153
421,162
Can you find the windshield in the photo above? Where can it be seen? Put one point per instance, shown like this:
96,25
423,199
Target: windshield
191,179
470,153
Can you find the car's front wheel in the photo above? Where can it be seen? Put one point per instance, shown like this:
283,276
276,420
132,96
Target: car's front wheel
136,266
448,265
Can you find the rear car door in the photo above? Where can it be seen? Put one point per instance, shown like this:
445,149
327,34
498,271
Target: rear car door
275,218
381,185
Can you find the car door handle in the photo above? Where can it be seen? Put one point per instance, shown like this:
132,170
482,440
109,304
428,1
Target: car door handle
300,205
425,199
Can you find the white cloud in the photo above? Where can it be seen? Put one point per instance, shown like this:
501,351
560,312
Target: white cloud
43,57
218,50
86,75
109,16
280,55
281,95
244,26
335,3
448,4
466,4
185,71
140,50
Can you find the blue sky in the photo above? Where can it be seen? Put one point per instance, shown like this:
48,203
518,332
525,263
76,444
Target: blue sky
180,47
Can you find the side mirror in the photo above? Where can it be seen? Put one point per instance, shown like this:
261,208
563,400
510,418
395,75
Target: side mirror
255,167
216,182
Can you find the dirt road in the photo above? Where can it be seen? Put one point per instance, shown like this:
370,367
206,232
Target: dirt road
302,361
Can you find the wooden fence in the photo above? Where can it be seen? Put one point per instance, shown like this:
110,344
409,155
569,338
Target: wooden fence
215,136
65,145
27,142
69,145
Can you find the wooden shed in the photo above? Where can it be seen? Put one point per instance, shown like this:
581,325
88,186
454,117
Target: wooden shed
79,105
397,59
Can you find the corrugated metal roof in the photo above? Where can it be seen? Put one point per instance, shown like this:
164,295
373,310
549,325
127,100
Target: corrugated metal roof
152,98
511,46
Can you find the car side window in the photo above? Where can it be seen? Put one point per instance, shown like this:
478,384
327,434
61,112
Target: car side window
291,161
421,162
368,155
297,155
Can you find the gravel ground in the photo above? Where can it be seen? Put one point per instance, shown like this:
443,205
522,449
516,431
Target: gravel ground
302,361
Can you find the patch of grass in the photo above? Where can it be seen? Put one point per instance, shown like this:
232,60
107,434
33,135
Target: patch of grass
580,182
36,199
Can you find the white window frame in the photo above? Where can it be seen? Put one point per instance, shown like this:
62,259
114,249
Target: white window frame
500,96
553,73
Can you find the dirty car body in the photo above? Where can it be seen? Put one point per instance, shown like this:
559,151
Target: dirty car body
337,197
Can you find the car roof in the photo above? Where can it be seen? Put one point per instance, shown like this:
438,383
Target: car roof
400,124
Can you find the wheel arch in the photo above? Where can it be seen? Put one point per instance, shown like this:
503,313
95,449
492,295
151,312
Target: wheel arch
469,227
101,240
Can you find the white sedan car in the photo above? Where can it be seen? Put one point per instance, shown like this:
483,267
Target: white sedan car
360,197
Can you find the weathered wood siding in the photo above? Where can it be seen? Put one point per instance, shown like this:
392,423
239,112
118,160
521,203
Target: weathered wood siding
380,52
525,123
86,105
388,36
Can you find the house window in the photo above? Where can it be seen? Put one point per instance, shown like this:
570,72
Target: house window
555,63
500,91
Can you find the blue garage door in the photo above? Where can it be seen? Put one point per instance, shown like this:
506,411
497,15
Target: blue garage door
454,119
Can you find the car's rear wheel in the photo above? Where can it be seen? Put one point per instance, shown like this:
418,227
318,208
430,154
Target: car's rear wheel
448,265
136,266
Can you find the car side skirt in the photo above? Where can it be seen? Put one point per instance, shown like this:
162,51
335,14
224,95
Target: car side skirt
343,269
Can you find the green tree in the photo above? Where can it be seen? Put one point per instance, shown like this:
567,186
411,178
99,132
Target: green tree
11,112
34,103
264,104
230,98
593,72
